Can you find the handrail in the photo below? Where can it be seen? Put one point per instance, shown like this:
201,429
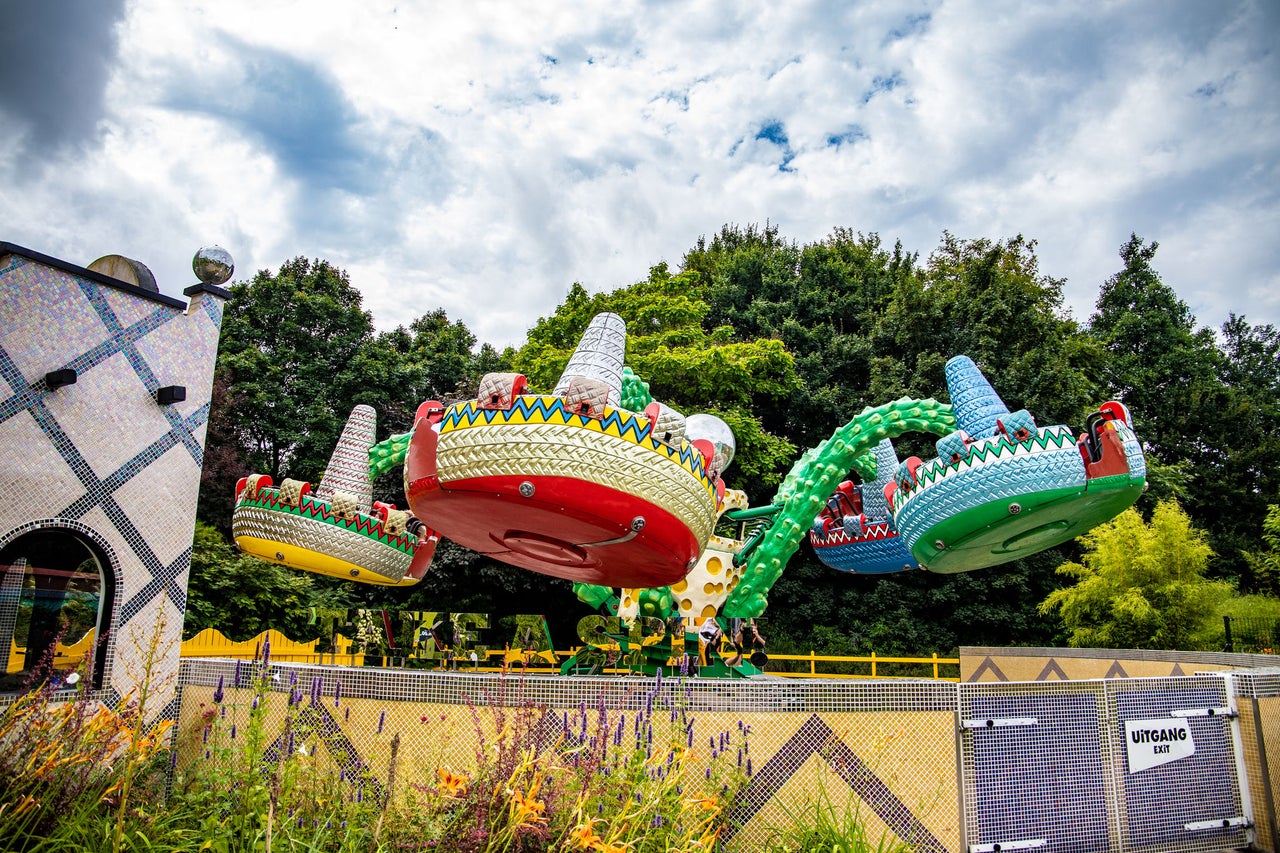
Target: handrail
211,643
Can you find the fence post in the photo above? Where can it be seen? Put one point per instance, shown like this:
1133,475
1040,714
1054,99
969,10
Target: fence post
1226,624
935,665
813,664
873,664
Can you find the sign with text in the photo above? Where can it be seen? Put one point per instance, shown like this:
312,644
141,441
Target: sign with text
1151,743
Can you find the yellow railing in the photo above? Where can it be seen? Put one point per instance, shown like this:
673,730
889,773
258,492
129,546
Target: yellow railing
874,661
65,656
211,643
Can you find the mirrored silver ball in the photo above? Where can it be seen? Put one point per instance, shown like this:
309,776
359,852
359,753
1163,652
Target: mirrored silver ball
213,265
717,432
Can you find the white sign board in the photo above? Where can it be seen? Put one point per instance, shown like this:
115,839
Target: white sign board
1150,743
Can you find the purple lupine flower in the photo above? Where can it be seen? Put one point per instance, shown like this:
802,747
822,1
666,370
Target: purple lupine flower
342,775
239,669
739,757
639,798
346,715
266,653
382,720
658,683
288,745
360,794
293,678
657,821
299,821
337,692
222,712
206,755
173,758
316,685
204,734
255,703
684,666
217,691
707,772
748,766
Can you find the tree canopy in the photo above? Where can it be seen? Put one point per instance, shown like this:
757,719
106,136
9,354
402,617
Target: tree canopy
1139,585
787,341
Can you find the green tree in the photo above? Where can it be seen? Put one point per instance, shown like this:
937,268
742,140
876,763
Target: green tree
1237,483
1139,585
1158,364
291,350
686,366
1266,562
242,596
1206,411
297,353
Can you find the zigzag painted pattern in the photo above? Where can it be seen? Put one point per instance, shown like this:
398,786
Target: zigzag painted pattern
543,409
315,535
1008,476
874,530
988,451
568,451
364,525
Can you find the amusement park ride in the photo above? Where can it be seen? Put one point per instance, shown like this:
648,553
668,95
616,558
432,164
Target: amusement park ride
600,484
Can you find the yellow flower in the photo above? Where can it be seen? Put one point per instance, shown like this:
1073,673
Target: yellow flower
585,837
526,809
706,803
451,785
613,847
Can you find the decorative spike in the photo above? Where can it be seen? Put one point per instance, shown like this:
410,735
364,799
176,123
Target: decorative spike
874,506
977,405
348,469
599,355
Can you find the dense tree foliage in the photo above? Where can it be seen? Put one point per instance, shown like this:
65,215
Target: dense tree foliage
786,342
687,365
1139,585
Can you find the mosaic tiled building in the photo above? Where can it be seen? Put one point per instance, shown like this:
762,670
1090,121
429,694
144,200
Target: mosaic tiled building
104,399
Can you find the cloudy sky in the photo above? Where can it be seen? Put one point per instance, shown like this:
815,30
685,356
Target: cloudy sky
483,156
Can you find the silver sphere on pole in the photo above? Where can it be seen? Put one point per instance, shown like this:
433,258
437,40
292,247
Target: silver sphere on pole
213,265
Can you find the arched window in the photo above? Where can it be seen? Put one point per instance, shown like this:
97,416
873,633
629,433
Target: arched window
56,591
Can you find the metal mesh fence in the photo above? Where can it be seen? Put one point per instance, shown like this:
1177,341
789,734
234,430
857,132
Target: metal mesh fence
1033,767
1192,801
881,753
1258,697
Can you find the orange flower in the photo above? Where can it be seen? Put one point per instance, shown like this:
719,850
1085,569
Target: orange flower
707,803
613,847
451,785
526,809
585,837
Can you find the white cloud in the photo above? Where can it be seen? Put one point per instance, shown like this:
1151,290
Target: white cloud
483,157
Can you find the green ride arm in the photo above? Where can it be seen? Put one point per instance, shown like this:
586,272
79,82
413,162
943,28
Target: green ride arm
812,480
386,455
